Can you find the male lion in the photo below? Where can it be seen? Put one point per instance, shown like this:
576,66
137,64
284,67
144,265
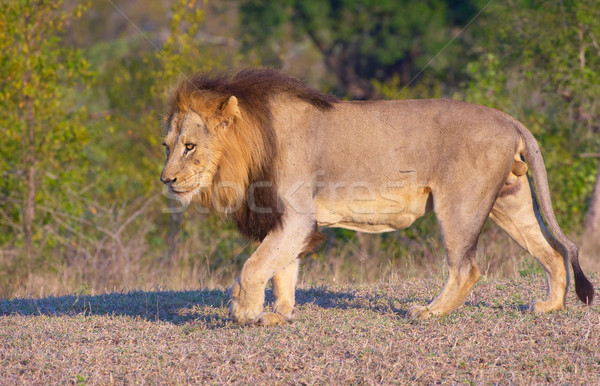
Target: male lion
281,159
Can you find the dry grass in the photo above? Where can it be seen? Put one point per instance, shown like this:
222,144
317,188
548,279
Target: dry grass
342,334
211,255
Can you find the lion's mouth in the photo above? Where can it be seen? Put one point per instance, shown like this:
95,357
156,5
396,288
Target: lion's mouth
183,191
178,191
183,195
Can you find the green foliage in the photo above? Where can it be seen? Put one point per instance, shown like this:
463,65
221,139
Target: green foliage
540,62
393,89
41,122
360,40
182,53
82,127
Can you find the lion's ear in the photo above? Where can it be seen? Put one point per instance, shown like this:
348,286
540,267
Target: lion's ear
230,108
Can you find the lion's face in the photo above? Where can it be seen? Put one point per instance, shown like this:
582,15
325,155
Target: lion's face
192,151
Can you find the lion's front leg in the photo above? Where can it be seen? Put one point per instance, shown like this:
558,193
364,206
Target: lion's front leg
246,302
284,288
275,254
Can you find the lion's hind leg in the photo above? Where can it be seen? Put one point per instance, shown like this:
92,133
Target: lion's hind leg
461,223
518,214
463,273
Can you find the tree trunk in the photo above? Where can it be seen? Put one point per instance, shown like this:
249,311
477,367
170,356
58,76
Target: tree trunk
591,237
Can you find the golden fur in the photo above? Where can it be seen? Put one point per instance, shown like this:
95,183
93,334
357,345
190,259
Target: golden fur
291,158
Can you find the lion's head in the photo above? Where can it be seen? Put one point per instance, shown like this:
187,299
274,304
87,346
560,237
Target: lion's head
196,140
222,147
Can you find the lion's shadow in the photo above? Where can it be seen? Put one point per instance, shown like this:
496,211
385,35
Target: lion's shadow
326,298
208,307
177,307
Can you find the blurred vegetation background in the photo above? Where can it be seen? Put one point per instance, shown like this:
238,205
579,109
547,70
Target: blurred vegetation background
81,100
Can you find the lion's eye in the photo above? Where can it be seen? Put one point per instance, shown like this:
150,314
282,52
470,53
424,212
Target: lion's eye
166,148
189,146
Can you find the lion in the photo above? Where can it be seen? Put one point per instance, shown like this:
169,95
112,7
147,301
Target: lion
282,159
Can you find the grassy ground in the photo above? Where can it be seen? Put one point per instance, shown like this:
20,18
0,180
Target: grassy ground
342,334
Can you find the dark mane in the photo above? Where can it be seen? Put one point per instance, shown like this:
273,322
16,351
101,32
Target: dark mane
254,89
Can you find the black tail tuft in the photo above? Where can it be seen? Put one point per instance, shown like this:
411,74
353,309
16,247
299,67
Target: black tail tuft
583,287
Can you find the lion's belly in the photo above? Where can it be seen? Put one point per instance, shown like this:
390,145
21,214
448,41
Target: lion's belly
372,210
367,224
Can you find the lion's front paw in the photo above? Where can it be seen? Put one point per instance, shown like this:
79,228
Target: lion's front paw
243,315
271,319
417,312
245,309
543,306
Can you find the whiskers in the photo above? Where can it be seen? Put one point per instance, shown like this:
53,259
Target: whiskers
189,182
186,187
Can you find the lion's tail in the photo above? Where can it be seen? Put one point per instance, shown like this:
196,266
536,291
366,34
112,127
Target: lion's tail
533,157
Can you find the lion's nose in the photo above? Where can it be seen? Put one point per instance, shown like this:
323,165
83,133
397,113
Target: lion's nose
168,181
